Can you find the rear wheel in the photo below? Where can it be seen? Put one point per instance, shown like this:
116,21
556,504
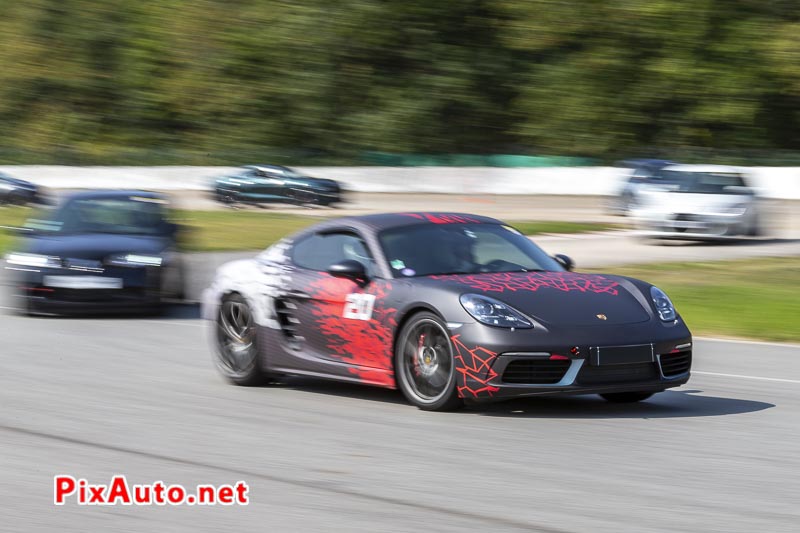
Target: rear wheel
626,397
754,230
236,355
425,366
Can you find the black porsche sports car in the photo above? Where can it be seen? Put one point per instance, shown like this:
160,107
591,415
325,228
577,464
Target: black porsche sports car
259,184
99,251
445,307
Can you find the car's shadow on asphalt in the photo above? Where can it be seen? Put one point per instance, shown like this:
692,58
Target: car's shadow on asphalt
173,311
324,387
668,404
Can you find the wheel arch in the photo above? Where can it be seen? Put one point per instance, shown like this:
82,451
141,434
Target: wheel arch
403,318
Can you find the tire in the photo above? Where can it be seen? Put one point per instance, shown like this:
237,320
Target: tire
236,354
227,199
754,230
626,397
424,364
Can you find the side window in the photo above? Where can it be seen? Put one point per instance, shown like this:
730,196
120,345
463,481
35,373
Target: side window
320,251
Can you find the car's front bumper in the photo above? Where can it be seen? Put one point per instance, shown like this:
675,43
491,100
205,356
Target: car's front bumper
693,226
493,363
581,377
139,290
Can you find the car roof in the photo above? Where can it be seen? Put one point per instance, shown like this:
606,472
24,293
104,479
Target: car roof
634,163
115,193
723,169
383,221
271,168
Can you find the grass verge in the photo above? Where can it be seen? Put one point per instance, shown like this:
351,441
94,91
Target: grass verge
229,230
753,298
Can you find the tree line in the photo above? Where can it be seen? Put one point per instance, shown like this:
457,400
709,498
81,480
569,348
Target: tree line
215,81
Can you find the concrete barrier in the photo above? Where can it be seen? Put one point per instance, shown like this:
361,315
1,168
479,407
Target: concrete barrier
772,182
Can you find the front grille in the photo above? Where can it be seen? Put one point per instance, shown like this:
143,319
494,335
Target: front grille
81,264
95,295
536,371
674,364
604,375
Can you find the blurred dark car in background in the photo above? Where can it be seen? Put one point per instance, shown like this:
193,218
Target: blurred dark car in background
641,173
260,184
99,251
14,191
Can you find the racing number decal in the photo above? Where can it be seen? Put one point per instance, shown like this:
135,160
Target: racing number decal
359,306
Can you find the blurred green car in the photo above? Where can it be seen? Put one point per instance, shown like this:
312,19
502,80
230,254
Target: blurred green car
261,184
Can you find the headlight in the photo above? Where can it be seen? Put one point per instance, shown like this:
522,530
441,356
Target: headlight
493,312
134,260
664,307
33,260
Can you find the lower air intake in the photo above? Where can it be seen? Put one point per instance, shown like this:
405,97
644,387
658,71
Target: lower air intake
675,364
536,371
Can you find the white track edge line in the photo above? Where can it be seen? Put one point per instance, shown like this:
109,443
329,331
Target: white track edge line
745,341
740,376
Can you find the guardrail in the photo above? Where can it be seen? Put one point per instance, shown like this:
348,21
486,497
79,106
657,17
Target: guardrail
772,182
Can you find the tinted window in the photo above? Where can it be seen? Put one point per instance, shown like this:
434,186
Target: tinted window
320,251
121,215
706,182
461,248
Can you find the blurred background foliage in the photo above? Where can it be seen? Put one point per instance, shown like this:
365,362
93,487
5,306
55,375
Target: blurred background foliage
321,82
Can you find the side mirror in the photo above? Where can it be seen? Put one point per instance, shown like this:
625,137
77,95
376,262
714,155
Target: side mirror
565,261
349,269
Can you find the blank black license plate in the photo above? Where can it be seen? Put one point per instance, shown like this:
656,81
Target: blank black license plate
622,355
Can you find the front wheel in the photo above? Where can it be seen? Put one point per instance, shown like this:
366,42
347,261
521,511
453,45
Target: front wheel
425,366
626,397
236,353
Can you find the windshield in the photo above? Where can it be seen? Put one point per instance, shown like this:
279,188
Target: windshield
119,215
705,182
424,250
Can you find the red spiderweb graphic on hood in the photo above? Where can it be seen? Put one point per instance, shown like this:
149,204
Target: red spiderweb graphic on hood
533,281
367,343
474,368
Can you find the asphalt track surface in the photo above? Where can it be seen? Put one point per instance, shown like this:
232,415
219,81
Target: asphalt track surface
139,396
98,397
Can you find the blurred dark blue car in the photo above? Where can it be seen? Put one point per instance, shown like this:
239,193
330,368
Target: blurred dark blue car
260,184
99,252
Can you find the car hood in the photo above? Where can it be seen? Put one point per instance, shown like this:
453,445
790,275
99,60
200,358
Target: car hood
94,245
559,298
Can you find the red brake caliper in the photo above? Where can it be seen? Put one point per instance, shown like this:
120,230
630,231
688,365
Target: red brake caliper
417,354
